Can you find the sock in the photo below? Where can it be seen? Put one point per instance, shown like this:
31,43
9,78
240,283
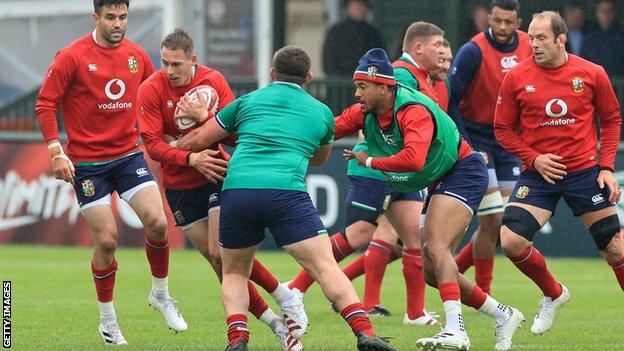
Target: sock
261,276
464,258
340,249
450,294
104,280
414,282
532,264
257,305
158,256
355,268
107,312
495,309
484,271
281,294
618,269
476,299
237,328
269,318
359,322
375,262
160,287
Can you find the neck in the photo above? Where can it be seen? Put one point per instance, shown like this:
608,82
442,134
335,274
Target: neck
386,104
99,39
559,61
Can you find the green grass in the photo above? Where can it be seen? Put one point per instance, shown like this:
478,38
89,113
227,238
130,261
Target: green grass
54,305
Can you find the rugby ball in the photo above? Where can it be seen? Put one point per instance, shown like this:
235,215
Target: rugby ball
212,98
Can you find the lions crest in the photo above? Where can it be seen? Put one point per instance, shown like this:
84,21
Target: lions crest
578,85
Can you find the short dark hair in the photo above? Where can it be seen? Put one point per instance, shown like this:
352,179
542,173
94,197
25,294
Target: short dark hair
446,43
346,2
291,64
557,24
98,4
179,39
419,29
509,5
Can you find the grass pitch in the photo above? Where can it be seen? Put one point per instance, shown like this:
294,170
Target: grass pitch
54,305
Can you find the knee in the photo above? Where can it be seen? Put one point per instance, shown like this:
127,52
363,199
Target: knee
490,225
106,242
519,228
156,226
604,232
512,243
214,257
433,250
430,279
359,234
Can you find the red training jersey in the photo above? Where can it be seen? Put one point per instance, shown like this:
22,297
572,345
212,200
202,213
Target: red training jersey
157,100
417,127
479,103
440,87
96,89
551,110
421,76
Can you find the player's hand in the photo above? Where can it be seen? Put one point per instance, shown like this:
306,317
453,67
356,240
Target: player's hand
359,156
606,178
194,109
549,168
209,165
63,169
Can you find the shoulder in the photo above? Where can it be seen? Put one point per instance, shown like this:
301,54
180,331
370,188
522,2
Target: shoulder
76,49
210,73
585,65
468,50
135,48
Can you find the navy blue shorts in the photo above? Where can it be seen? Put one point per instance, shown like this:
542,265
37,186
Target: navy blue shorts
127,175
579,190
467,182
190,206
368,198
503,167
288,214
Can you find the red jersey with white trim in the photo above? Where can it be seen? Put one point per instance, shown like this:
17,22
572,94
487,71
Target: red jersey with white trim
421,76
157,100
96,89
416,125
551,110
479,103
442,91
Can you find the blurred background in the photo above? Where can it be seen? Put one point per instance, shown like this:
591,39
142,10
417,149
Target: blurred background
238,38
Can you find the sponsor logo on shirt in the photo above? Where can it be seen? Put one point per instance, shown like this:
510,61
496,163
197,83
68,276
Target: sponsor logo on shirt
598,198
577,85
115,90
133,64
557,108
388,139
92,67
508,62
169,104
530,88
142,172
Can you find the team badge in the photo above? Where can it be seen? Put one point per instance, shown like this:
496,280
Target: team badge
178,216
88,189
372,72
133,64
522,192
577,85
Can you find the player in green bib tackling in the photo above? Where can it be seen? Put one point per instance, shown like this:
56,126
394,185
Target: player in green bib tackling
416,145
281,130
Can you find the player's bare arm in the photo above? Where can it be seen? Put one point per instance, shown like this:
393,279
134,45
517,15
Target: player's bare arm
202,137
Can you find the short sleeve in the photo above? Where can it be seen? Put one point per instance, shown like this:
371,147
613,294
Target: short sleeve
227,117
329,121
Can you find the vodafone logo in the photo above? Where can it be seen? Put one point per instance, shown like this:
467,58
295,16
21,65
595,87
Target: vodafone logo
562,108
121,89
509,62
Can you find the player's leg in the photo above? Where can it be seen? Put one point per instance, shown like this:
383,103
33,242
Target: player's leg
376,258
531,205
135,184
404,214
364,203
296,226
93,192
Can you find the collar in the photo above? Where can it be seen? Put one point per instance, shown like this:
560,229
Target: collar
287,83
409,59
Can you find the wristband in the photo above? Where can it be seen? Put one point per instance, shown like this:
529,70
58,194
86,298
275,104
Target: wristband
188,159
174,144
369,162
55,149
605,168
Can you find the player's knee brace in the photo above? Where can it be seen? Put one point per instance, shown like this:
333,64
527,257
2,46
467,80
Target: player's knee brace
521,222
603,230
